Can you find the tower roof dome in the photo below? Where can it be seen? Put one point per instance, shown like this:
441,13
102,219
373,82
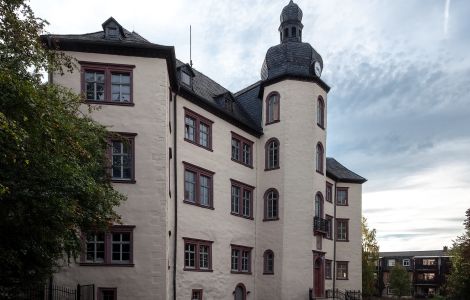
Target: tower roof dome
291,12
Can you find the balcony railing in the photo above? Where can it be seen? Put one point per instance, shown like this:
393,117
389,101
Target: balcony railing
320,224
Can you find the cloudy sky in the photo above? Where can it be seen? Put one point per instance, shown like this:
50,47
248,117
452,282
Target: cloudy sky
399,107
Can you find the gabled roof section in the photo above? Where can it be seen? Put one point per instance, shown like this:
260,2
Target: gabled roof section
425,253
207,93
128,44
249,99
340,173
111,22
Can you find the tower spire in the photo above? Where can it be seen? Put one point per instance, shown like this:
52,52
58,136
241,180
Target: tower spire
291,23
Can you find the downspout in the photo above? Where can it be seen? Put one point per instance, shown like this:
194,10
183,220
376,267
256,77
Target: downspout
334,241
175,175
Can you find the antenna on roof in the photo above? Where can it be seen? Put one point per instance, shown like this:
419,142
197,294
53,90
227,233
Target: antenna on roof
190,42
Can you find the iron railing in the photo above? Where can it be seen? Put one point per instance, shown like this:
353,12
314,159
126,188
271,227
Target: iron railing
53,292
343,295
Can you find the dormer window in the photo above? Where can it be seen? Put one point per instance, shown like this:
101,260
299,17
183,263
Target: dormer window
228,104
112,32
185,78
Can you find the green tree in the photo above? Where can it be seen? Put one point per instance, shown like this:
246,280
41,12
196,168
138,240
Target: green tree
370,257
53,178
458,282
400,281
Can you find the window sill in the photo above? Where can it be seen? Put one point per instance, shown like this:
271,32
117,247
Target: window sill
85,264
321,126
268,220
326,278
242,163
342,278
238,272
272,122
197,270
320,172
109,103
270,169
197,204
342,241
241,216
199,145
123,181
268,273
342,204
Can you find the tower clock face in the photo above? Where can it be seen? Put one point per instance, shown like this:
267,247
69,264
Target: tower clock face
317,68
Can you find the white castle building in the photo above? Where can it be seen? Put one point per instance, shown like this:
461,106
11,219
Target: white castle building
230,195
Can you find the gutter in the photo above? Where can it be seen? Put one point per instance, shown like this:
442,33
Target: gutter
175,165
334,241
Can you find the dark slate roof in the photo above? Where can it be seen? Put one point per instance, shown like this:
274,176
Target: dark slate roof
290,58
340,173
291,12
129,37
414,253
249,99
207,92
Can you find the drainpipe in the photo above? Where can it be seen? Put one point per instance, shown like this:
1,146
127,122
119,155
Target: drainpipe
333,227
175,173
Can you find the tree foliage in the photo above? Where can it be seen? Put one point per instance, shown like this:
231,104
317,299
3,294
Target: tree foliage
458,282
400,281
53,178
370,257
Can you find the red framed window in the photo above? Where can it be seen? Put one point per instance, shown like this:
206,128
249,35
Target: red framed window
122,156
114,247
198,186
342,270
328,267
268,259
342,230
196,294
107,83
342,196
242,150
329,230
241,199
197,129
329,192
272,108
272,154
271,205
197,255
241,259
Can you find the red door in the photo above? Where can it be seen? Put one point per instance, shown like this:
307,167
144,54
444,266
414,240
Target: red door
318,280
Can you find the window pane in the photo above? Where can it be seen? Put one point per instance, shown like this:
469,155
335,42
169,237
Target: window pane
189,255
203,257
235,199
235,149
247,154
246,203
245,261
189,131
203,135
342,197
204,182
189,186
235,254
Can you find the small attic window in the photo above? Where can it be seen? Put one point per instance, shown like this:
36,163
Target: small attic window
185,78
228,103
112,32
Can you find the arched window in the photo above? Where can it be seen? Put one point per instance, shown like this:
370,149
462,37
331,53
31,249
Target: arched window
271,205
272,108
293,32
240,292
268,262
272,154
321,112
318,205
319,158
286,32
